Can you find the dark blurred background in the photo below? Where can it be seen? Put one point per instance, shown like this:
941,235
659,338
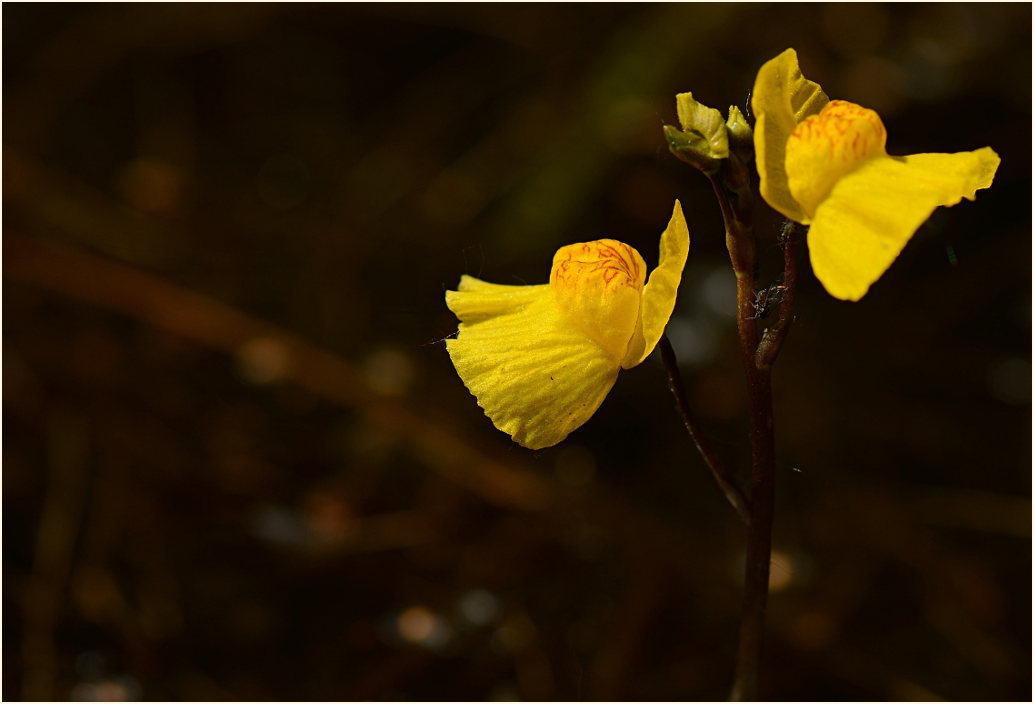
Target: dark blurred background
238,464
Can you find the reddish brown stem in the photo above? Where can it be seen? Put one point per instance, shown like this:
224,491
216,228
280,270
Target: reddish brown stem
759,537
739,239
726,481
772,340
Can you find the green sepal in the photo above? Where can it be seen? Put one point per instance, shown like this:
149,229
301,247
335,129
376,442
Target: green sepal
703,140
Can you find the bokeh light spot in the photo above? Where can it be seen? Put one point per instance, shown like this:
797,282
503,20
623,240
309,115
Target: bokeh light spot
151,185
416,624
1009,380
262,360
389,372
780,572
479,606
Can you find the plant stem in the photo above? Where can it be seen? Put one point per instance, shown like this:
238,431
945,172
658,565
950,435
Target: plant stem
759,535
758,367
726,481
739,238
772,340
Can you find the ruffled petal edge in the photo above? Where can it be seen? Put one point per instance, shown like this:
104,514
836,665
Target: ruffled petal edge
872,213
536,376
782,97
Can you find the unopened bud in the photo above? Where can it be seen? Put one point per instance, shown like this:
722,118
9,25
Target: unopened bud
703,140
741,136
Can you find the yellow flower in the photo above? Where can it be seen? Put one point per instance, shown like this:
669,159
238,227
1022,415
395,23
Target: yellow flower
825,164
541,359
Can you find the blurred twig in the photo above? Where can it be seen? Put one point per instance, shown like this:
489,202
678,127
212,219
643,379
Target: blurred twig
122,289
125,290
982,512
44,592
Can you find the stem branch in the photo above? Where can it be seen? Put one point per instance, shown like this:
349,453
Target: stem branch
726,481
772,340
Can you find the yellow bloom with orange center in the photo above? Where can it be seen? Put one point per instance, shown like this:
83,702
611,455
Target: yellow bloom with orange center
825,164
541,359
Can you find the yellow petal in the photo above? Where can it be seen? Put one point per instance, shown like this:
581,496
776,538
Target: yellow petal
827,146
871,213
491,298
658,300
782,98
536,376
598,287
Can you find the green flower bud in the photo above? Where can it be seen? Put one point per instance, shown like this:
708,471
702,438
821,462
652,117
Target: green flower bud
741,136
703,140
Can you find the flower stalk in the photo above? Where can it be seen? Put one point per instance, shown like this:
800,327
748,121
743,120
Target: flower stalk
726,481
